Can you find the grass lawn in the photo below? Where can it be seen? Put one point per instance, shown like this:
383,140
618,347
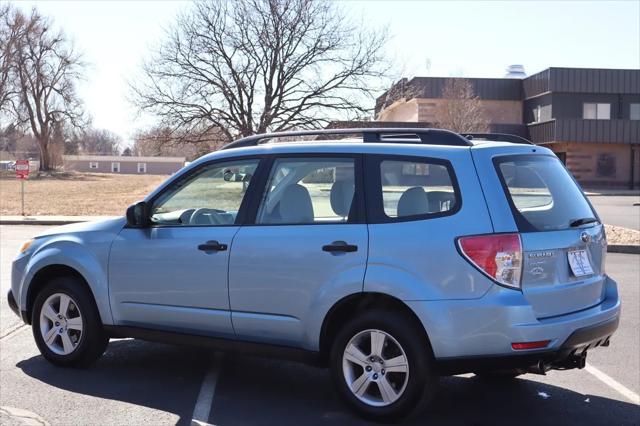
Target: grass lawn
75,194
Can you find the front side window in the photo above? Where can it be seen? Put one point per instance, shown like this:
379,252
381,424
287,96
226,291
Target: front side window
211,196
543,194
309,191
415,188
596,111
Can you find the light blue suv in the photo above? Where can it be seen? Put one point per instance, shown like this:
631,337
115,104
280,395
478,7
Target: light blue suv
392,257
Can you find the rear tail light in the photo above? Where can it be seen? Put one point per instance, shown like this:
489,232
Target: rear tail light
520,346
498,255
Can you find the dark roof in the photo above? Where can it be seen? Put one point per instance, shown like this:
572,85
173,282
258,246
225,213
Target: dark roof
583,80
431,87
570,80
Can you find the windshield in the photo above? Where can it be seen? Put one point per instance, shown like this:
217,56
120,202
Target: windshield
542,193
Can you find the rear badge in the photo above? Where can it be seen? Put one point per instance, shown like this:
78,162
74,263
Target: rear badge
540,254
537,271
585,237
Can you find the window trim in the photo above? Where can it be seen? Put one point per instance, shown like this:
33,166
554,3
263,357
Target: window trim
113,163
244,205
522,224
145,168
631,104
92,163
373,189
596,111
357,215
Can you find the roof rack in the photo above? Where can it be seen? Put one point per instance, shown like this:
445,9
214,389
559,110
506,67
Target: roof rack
375,135
498,137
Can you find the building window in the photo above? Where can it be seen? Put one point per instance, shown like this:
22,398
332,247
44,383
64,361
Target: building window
542,113
93,164
634,111
115,167
593,111
142,167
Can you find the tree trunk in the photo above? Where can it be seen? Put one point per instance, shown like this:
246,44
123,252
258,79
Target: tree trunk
45,161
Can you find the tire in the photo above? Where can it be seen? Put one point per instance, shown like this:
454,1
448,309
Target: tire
75,337
369,379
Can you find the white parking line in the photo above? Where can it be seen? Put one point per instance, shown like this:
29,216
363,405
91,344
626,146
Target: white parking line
202,409
613,384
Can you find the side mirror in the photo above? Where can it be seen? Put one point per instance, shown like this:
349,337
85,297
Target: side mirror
138,215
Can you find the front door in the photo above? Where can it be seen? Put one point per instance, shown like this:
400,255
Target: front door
306,250
173,274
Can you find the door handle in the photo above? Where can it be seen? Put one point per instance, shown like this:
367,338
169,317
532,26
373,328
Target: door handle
212,246
340,246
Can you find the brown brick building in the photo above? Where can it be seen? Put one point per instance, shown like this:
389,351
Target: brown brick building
589,117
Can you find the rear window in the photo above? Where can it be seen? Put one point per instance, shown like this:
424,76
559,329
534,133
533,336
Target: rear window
543,195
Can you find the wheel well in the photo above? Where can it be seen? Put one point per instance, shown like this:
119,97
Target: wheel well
45,275
353,305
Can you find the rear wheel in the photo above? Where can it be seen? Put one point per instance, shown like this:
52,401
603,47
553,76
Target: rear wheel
66,324
381,365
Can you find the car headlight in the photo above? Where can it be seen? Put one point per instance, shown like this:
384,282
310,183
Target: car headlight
25,246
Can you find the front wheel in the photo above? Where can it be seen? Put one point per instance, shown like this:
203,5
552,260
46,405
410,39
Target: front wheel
66,324
381,365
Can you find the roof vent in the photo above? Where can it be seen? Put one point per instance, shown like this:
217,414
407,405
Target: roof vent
515,71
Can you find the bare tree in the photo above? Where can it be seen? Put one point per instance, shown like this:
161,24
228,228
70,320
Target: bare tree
461,110
47,70
11,29
99,141
250,66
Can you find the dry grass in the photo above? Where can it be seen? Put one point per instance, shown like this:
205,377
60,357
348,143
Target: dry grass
75,194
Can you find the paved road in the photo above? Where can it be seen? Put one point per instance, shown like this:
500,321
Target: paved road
618,210
150,384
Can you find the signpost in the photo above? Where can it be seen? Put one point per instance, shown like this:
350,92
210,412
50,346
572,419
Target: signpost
22,173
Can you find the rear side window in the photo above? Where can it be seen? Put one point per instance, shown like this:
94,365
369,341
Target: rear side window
309,191
543,196
412,189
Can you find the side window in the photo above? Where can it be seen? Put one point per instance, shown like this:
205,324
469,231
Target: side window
308,190
414,188
211,196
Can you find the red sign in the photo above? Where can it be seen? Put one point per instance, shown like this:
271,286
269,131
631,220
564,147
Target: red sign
22,169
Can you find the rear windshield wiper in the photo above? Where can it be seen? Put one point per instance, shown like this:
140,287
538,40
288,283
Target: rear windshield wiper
583,221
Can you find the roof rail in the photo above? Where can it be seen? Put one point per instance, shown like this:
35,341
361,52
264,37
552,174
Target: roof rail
498,137
374,135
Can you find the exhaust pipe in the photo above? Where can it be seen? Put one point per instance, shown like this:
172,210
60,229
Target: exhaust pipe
540,368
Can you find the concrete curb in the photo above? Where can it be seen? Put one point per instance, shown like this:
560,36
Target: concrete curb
623,248
49,220
65,220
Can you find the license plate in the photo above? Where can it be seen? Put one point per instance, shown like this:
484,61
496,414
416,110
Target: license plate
579,262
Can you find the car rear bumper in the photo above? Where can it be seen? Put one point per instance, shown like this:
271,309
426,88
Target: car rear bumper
487,327
571,354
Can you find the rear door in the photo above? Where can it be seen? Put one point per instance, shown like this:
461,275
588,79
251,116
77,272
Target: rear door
306,250
563,240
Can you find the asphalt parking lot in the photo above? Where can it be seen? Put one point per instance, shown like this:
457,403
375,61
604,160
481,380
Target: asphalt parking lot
150,384
618,210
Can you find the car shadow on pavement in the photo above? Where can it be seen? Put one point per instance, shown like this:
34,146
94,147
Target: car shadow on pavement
254,391
162,377
257,391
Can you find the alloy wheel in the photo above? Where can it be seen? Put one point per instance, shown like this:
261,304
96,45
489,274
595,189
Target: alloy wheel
375,368
61,323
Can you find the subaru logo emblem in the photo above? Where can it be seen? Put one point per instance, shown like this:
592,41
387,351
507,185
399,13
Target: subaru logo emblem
585,237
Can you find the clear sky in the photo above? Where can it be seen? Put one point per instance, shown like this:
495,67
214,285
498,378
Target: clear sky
429,38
